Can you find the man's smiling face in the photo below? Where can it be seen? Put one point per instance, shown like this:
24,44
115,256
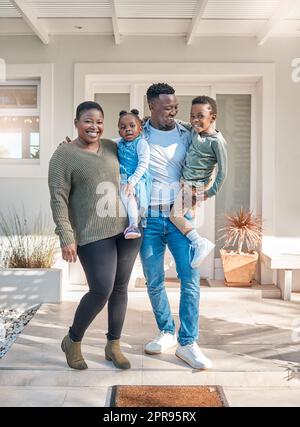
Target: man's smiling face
163,111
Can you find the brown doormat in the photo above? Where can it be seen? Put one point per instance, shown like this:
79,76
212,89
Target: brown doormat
167,396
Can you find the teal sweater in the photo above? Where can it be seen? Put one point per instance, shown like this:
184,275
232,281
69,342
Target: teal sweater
205,152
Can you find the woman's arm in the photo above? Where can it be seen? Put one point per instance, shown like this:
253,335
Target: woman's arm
59,181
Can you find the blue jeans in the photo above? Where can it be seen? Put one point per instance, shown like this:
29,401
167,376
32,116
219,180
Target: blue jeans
159,234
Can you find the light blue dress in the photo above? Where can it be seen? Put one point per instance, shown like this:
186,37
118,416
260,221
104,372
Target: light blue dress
129,160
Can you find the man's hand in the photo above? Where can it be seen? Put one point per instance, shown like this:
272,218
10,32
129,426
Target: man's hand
145,119
69,252
67,140
128,189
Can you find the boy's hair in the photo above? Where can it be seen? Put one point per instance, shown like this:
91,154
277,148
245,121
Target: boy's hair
159,89
203,99
88,105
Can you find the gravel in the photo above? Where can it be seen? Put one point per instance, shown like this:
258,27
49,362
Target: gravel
12,322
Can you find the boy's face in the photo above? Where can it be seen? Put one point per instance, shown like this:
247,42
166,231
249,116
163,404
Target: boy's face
202,117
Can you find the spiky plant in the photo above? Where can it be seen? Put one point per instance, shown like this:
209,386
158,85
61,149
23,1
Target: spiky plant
24,249
242,227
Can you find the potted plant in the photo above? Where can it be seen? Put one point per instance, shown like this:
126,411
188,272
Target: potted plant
27,258
242,234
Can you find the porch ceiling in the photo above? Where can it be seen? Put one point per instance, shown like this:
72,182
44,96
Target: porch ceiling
187,18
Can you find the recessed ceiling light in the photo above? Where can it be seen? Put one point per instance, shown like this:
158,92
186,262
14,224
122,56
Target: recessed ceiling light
78,27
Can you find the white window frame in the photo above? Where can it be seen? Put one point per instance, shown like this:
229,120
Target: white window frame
31,74
21,112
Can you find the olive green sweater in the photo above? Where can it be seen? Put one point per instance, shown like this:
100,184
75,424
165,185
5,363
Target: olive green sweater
84,190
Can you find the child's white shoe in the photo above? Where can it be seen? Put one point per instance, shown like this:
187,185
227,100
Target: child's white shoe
201,250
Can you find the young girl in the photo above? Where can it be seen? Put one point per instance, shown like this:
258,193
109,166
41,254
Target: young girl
208,149
134,156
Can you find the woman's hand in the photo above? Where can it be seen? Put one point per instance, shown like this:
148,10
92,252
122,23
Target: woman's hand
69,252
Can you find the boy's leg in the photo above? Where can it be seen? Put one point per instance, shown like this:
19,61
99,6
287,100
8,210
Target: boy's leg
182,205
187,203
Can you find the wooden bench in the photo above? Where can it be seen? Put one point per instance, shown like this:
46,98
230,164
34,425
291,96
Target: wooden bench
287,262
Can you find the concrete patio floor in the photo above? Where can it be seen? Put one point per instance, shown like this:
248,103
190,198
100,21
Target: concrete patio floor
254,344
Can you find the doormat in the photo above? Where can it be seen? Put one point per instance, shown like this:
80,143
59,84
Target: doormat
167,396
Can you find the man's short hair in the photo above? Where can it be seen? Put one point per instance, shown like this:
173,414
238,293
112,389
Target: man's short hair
203,99
159,89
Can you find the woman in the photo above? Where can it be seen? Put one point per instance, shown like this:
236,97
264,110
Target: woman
84,188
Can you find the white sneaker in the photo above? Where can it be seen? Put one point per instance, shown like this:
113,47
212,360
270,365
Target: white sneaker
162,342
193,356
201,250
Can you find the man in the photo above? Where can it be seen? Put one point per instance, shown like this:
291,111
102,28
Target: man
168,141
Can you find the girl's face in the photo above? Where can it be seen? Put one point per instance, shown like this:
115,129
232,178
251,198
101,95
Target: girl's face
202,119
90,126
129,127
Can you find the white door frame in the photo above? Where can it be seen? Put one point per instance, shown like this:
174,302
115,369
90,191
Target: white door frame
257,79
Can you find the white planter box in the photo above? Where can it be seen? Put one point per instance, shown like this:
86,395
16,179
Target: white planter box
22,288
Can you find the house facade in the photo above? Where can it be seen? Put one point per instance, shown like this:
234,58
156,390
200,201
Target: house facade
247,57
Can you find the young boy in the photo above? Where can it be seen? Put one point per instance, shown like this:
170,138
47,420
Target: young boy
208,149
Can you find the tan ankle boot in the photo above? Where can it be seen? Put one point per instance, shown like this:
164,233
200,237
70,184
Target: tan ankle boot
72,350
113,353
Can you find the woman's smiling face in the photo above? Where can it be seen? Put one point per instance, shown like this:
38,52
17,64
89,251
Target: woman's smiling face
90,126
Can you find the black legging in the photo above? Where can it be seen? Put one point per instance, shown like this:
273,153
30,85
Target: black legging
107,264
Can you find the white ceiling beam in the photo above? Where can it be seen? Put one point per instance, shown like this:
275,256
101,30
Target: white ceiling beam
115,21
199,12
31,20
285,7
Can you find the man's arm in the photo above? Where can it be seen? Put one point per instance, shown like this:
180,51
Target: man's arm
186,125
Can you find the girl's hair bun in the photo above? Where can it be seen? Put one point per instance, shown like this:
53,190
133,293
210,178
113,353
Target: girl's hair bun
135,111
121,113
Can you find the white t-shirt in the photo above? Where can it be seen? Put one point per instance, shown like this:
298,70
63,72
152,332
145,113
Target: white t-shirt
167,154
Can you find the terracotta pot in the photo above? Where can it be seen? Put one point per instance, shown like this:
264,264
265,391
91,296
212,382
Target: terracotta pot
238,269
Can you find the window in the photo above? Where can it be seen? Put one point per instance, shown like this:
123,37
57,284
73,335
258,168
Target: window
19,120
